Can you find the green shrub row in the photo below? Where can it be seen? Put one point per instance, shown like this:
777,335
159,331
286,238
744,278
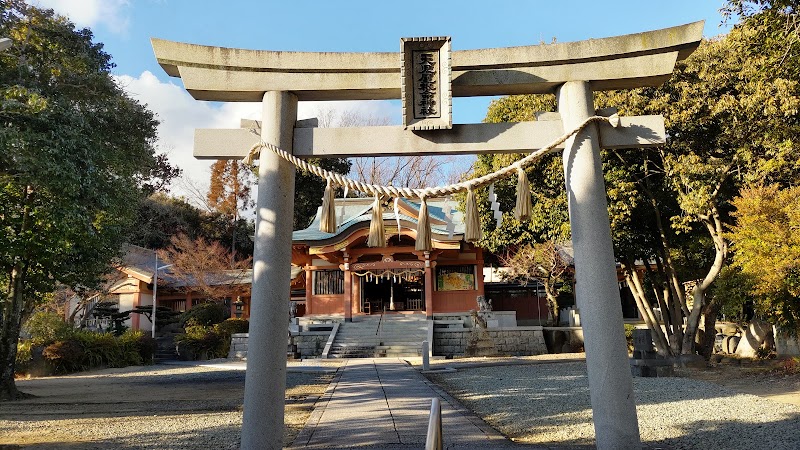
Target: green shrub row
209,341
84,350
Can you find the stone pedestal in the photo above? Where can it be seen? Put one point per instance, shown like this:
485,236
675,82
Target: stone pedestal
646,362
480,343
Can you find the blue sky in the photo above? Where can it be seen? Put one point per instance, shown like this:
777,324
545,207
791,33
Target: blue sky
126,26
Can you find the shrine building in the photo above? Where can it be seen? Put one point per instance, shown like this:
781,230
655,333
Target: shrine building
343,276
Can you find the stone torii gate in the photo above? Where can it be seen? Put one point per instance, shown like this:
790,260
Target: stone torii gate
425,74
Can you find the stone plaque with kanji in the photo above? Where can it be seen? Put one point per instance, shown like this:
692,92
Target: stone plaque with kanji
425,74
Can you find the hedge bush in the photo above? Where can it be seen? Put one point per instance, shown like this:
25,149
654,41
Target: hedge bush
201,342
24,357
232,326
85,350
46,328
204,314
208,342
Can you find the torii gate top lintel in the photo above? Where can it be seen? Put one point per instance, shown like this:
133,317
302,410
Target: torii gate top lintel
620,62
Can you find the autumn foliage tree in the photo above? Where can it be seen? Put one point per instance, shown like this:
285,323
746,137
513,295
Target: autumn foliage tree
544,262
229,193
205,267
766,246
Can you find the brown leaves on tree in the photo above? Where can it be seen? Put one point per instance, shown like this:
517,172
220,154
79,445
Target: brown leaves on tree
206,268
545,263
229,190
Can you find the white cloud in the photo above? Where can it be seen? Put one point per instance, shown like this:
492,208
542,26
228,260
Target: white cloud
90,13
179,115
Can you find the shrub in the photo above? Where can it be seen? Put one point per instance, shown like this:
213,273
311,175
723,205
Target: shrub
47,327
232,326
791,366
88,350
99,350
65,356
204,314
24,357
201,342
629,335
141,344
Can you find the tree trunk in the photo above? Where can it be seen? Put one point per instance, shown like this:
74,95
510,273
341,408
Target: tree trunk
666,315
669,268
11,313
552,302
710,320
693,321
635,285
10,323
714,226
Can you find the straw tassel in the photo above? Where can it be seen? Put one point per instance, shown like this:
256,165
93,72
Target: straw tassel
327,221
377,236
473,230
423,228
614,120
523,209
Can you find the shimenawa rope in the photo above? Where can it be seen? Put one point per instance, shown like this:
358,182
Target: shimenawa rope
378,191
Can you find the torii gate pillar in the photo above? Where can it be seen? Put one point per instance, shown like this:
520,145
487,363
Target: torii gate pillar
596,290
265,380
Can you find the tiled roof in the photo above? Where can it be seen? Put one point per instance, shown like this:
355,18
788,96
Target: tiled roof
355,213
141,261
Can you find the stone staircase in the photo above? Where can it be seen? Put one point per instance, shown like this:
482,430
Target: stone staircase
165,348
400,335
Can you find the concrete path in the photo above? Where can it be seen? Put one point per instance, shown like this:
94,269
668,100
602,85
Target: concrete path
385,403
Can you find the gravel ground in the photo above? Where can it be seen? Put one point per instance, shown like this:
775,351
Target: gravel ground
144,408
549,404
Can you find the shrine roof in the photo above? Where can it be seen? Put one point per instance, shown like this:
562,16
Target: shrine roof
356,213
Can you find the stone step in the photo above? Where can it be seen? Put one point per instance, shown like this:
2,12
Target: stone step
385,335
383,329
353,345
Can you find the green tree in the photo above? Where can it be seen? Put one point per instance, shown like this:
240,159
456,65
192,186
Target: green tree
731,113
159,217
731,116
767,249
549,217
309,188
75,153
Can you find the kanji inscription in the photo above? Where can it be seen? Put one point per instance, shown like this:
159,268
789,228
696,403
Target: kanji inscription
426,83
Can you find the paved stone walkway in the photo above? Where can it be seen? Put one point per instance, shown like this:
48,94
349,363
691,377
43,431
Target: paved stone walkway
385,403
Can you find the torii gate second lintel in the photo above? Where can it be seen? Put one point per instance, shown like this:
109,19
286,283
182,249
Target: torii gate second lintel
427,77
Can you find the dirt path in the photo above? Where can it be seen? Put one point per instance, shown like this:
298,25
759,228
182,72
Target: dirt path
762,379
144,407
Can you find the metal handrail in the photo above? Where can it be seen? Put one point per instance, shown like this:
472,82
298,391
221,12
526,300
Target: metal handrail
433,441
380,327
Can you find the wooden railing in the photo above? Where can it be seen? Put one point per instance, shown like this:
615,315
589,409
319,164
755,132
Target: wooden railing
434,439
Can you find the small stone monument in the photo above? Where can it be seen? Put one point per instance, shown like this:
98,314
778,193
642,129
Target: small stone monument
646,362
